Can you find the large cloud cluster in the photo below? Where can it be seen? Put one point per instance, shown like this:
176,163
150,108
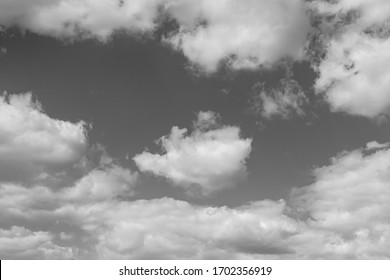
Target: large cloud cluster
342,215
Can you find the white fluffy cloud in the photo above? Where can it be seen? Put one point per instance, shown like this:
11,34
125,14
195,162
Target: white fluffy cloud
209,159
349,203
351,181
245,34
31,141
103,184
21,243
344,214
143,229
170,229
59,214
354,76
97,18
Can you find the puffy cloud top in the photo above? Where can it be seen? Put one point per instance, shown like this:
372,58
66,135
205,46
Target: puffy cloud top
209,159
245,34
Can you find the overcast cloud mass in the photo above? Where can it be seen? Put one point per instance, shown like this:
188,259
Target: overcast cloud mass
194,129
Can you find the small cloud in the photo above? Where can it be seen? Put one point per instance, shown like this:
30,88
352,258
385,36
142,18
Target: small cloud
209,159
374,145
225,91
284,102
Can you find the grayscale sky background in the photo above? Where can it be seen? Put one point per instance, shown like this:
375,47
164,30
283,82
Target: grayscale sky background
286,152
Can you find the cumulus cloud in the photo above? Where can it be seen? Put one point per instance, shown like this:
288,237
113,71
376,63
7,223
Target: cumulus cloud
209,159
244,34
170,229
31,141
63,230
343,214
354,75
349,204
143,229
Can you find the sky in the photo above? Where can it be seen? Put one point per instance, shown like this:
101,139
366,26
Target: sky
183,129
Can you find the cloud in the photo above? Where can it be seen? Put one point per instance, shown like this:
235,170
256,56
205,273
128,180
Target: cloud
370,12
149,229
31,141
21,243
354,75
244,34
285,101
82,18
170,229
343,214
112,182
210,159
103,184
349,205
58,214
373,145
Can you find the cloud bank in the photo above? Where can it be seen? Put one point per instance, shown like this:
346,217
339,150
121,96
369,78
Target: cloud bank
342,215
